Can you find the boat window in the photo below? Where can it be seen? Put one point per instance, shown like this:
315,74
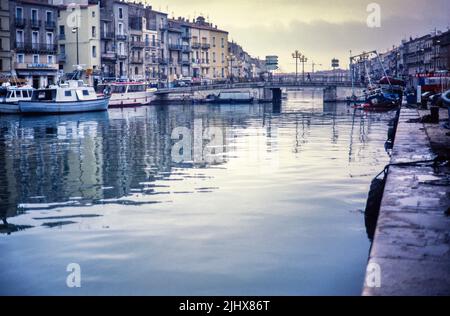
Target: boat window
44,95
118,89
9,94
19,94
136,88
67,93
85,92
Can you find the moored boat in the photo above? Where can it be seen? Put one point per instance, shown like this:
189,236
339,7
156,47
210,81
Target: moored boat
10,97
127,94
71,97
231,97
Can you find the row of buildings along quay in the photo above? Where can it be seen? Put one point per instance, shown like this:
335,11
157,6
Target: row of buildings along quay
114,39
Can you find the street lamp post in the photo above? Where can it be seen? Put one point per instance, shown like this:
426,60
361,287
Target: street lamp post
297,56
303,60
75,30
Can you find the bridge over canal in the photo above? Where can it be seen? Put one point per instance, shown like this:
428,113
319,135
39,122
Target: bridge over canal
262,91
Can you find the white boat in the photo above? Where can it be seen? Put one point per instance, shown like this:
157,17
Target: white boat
10,97
231,97
125,94
71,97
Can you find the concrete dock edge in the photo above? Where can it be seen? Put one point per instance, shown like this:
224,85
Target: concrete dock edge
410,254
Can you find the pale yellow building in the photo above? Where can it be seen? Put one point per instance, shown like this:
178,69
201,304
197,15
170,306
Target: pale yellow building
84,21
219,52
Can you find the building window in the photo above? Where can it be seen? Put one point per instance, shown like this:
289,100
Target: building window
35,59
35,39
94,51
49,38
50,59
120,29
62,49
223,43
20,58
93,14
120,13
34,15
19,36
1,45
62,30
94,32
214,41
214,57
136,71
19,13
49,16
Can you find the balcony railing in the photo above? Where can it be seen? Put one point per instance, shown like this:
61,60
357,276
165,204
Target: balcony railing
163,61
136,60
36,47
122,56
152,44
186,36
109,56
205,46
121,37
107,35
20,22
35,23
175,46
50,25
195,45
185,62
137,44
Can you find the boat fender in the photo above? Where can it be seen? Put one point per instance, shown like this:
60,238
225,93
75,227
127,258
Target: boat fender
374,203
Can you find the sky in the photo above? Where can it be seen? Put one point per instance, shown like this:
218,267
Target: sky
319,29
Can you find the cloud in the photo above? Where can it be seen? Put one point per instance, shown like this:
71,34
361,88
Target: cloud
322,29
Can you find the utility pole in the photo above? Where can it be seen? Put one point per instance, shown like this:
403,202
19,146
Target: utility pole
75,30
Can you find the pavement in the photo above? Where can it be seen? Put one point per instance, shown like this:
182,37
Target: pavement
410,254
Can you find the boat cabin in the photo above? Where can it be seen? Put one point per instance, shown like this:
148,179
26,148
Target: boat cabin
71,91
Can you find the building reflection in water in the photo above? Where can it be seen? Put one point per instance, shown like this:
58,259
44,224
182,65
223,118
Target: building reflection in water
111,157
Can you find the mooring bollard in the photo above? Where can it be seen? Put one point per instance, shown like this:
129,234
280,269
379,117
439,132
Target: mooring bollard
434,114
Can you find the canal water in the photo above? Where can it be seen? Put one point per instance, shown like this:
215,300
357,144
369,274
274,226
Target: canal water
253,199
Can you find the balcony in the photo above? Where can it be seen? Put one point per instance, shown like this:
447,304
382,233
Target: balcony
136,60
175,46
36,47
50,25
121,56
35,24
36,66
121,37
107,35
163,27
185,62
137,44
195,45
152,44
205,46
62,58
109,56
163,61
186,48
186,36
20,22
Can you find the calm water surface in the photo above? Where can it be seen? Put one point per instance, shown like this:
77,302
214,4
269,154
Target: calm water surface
269,201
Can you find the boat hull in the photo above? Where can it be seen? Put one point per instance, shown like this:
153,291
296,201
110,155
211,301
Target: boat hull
9,108
33,107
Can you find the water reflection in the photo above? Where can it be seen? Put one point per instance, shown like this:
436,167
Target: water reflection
265,189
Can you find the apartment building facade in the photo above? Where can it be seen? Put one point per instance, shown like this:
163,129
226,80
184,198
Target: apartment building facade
33,41
79,37
219,53
5,39
151,51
